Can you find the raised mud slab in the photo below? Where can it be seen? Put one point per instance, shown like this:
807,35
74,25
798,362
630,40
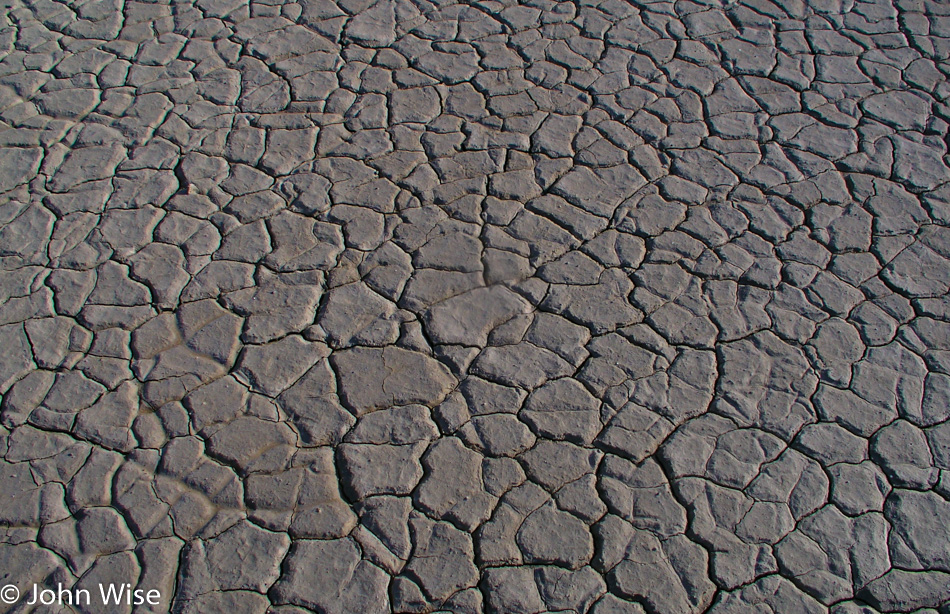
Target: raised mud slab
372,306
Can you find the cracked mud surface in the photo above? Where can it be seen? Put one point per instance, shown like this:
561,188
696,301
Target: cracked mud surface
407,306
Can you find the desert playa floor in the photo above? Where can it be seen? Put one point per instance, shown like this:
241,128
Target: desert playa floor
412,306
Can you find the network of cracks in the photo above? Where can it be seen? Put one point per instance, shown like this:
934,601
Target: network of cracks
371,306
